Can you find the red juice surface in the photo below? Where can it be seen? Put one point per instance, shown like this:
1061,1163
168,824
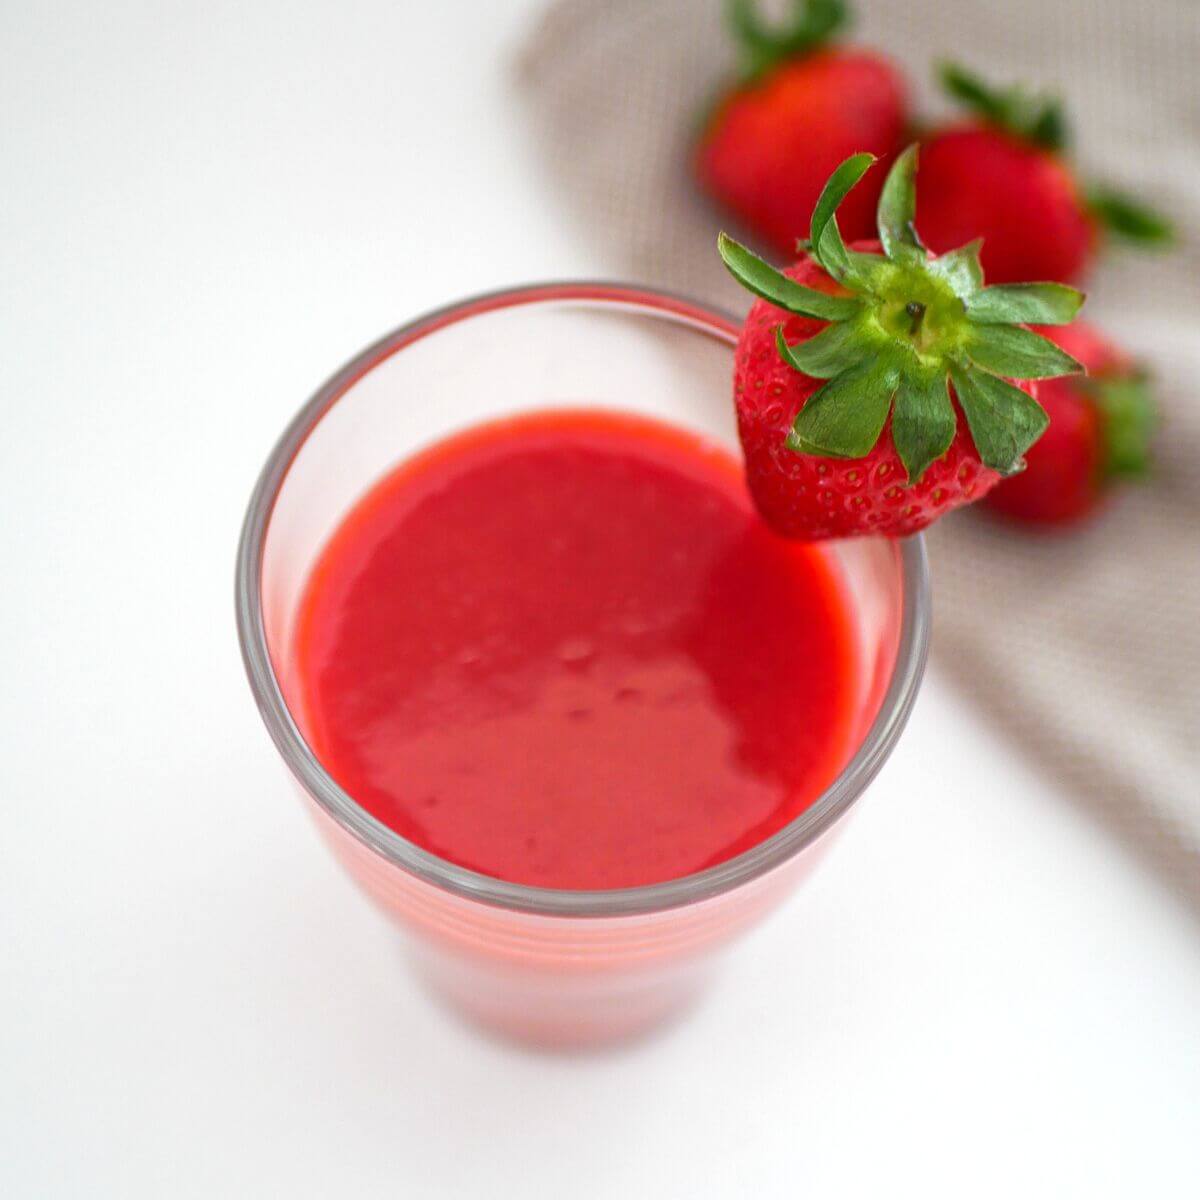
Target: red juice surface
563,650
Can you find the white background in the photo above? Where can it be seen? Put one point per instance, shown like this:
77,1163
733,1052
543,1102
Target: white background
205,209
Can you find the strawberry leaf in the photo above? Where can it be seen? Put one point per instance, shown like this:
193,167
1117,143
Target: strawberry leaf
961,269
1028,303
897,210
1038,119
1018,353
1127,218
1004,421
844,418
1048,126
1128,422
829,353
970,90
923,421
828,247
763,280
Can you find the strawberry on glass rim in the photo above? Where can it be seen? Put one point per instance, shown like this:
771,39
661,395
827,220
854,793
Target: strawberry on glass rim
879,386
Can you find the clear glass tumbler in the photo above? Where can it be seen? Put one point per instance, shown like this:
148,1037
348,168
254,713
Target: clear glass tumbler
550,966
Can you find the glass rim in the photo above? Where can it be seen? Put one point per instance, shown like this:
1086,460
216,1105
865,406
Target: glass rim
785,844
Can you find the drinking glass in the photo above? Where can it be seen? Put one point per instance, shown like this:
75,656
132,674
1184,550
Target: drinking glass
547,965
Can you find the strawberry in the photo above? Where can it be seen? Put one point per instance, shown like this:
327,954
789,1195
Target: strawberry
1005,177
872,382
797,111
1099,433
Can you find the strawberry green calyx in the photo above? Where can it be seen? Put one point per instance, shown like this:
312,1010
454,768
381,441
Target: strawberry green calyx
763,46
1037,118
1040,119
1128,421
1127,218
903,326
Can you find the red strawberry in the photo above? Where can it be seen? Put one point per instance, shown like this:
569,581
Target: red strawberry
979,180
799,110
872,389
1099,433
1005,178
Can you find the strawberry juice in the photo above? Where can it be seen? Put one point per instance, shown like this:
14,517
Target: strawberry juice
562,650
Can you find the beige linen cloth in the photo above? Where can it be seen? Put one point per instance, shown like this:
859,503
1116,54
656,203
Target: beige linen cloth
1084,646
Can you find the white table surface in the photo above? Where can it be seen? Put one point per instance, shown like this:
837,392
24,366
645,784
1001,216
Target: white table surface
205,208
